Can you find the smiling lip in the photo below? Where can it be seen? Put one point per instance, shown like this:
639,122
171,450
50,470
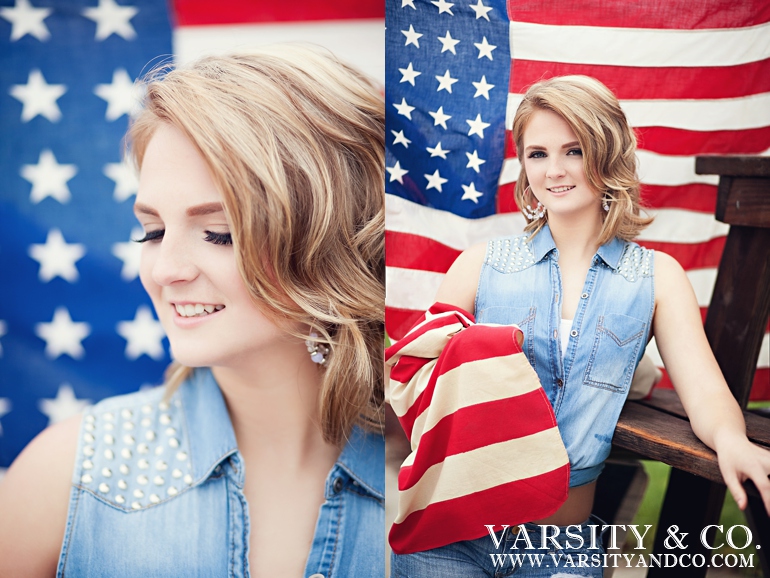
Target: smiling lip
187,314
561,189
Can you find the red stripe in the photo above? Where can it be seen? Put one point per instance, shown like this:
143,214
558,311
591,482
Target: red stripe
672,14
478,426
674,141
651,83
692,197
399,321
407,367
410,251
201,12
464,518
692,255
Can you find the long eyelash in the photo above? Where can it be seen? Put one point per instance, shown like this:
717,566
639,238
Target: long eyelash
219,238
151,236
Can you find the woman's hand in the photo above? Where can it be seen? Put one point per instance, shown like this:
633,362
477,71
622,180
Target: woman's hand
741,460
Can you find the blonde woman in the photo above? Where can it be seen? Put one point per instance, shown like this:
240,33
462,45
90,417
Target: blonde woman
588,300
261,200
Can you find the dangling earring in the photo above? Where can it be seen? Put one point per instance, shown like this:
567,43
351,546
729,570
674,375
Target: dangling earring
605,205
533,214
319,352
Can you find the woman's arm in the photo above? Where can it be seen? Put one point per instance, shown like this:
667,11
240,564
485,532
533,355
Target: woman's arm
459,286
714,414
34,496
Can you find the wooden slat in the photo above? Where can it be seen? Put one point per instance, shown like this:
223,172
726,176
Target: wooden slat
736,166
747,203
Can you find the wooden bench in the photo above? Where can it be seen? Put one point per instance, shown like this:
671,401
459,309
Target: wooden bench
735,324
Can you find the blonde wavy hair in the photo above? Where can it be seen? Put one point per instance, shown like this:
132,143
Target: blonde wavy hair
606,139
294,141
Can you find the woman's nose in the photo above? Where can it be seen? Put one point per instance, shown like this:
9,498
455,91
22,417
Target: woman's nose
555,168
174,261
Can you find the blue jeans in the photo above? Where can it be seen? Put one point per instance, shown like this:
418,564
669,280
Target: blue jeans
526,551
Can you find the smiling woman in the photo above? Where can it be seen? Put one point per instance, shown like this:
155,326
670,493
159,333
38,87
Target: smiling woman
261,200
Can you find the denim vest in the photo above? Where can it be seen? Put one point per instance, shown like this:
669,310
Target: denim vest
158,491
520,284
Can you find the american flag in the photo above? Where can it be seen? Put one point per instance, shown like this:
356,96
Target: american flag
693,79
75,323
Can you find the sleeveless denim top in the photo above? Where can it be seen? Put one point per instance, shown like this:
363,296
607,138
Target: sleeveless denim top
520,284
158,491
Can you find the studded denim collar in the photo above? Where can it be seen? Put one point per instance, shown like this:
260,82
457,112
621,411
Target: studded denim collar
543,244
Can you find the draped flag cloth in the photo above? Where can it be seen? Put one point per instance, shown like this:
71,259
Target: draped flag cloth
692,78
75,324
485,445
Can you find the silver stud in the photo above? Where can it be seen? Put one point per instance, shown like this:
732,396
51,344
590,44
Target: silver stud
128,440
88,464
149,436
146,409
181,456
109,439
172,491
109,416
170,431
89,439
177,473
107,472
161,466
154,498
125,453
143,448
145,422
126,414
173,442
120,499
89,427
90,418
165,419
138,494
124,469
188,480
136,505
158,450
142,480
122,484
109,426
109,454
143,464
104,488
88,451
86,478
128,425
163,406
158,480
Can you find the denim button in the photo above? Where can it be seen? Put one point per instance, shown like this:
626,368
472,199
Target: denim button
559,382
338,485
573,333
584,296
317,576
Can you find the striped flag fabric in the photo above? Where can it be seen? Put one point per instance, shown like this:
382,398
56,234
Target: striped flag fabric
453,385
693,79
75,323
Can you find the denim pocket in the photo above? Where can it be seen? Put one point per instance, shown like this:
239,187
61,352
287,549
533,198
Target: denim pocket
613,358
522,317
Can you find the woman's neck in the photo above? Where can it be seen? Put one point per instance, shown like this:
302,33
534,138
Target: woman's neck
576,237
273,404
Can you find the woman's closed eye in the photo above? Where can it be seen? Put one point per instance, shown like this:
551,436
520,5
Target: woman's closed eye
151,236
211,237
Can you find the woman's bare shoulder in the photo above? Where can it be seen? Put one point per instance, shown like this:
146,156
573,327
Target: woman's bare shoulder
460,283
34,497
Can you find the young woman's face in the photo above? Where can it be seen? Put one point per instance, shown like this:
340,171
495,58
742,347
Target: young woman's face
553,160
188,265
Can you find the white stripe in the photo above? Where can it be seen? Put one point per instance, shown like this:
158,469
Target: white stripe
639,47
654,169
360,43
741,113
411,288
415,290
681,226
457,232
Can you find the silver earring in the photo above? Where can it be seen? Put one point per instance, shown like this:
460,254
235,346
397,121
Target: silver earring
605,205
319,352
533,214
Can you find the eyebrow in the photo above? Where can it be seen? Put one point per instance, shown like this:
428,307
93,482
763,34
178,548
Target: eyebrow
542,148
196,211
